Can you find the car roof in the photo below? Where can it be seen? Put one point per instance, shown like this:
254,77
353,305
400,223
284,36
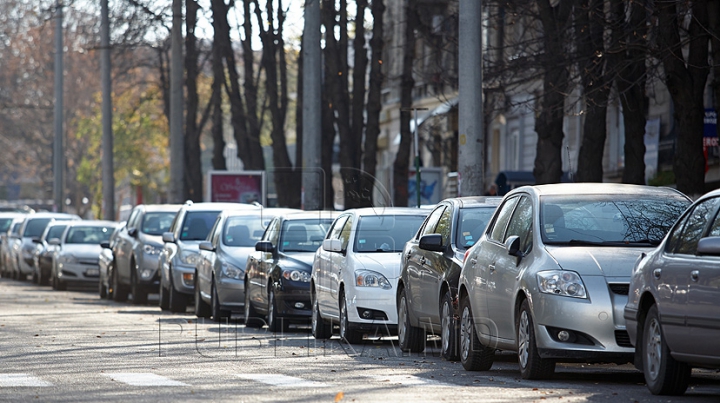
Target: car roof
215,206
476,201
370,211
598,188
274,211
93,223
7,214
314,214
52,215
159,207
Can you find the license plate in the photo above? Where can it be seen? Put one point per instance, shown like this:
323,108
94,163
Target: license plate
92,272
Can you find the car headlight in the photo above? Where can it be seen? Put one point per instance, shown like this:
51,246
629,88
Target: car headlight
67,259
368,278
232,271
190,258
560,282
296,275
151,249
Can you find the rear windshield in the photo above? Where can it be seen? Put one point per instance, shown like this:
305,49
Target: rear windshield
303,235
88,235
35,227
155,223
245,230
5,224
197,225
472,223
55,231
386,233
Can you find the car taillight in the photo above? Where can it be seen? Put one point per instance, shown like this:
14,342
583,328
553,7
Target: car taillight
466,255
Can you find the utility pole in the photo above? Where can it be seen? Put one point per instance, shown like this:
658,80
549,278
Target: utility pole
58,146
471,142
311,108
108,171
177,146
416,143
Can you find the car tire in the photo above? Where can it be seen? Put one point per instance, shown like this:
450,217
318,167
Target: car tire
663,374
139,294
102,290
410,338
202,308
474,356
532,366
60,285
448,329
120,292
218,313
346,333
274,322
164,300
252,319
35,279
42,279
111,285
177,302
321,330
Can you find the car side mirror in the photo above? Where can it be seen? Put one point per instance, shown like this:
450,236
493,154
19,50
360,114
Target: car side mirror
432,242
709,246
264,246
332,245
133,232
512,245
206,245
36,240
105,245
54,241
168,237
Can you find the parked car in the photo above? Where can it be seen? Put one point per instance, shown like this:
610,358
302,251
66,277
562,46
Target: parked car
180,254
356,270
136,250
76,257
277,275
33,226
8,239
42,258
549,277
105,263
220,271
673,312
431,264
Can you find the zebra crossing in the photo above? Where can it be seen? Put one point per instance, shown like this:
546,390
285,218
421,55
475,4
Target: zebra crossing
148,379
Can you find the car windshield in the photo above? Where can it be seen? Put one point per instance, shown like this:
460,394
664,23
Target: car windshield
155,223
5,224
245,230
35,227
55,231
385,233
608,219
472,224
197,224
303,235
88,234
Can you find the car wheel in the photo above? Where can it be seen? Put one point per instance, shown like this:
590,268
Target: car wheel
274,322
410,338
111,286
531,365
252,318
202,308
473,355
120,292
448,329
663,374
139,294
60,285
164,300
177,300
102,290
346,333
320,329
35,279
42,279
218,313
53,280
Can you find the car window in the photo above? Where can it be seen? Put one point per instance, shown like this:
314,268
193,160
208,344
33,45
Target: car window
693,229
55,231
337,227
132,221
715,226
35,227
87,235
472,221
444,226
303,235
5,224
197,225
244,230
385,233
155,223
431,221
345,233
501,220
521,224
214,234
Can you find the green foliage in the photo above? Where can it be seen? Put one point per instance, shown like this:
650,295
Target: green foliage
662,178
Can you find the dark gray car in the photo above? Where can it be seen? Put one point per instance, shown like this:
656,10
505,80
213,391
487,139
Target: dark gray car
673,310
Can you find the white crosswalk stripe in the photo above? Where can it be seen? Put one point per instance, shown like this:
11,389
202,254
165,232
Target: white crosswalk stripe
405,380
283,381
22,380
143,379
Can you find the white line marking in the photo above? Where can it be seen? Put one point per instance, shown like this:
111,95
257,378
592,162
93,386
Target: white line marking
143,379
22,380
405,380
283,381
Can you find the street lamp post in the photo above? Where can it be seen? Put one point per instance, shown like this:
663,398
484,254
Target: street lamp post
417,152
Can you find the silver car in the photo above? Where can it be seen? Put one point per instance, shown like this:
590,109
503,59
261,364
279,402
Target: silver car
549,277
673,312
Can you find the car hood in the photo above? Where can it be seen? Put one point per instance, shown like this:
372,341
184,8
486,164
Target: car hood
301,259
154,240
82,251
611,262
237,256
386,263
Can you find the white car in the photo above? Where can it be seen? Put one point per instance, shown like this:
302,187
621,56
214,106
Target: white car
356,270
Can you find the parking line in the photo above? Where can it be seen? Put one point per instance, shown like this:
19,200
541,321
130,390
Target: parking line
22,380
143,379
283,381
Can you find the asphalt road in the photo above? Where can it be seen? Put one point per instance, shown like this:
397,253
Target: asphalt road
71,346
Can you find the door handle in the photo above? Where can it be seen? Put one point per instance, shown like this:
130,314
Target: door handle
695,275
491,268
422,260
473,261
656,273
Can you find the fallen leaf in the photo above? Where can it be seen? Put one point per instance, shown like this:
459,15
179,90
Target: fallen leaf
339,396
99,337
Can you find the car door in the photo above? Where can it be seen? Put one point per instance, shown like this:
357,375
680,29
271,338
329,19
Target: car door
206,264
323,268
340,263
268,260
505,277
123,249
433,265
415,260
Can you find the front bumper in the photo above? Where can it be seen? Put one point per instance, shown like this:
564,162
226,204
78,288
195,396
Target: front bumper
78,272
379,305
148,271
183,278
293,299
231,292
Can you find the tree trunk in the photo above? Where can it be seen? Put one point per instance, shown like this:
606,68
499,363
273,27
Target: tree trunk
591,19
218,159
193,166
686,81
374,103
714,28
549,122
402,158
